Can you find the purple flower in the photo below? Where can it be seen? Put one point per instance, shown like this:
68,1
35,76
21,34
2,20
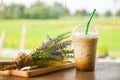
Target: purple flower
56,57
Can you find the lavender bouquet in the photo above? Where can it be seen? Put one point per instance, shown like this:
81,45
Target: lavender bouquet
52,52
55,49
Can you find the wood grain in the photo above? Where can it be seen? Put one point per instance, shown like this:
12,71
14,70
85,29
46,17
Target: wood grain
36,72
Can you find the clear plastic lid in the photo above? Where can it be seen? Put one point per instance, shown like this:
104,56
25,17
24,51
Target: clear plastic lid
79,32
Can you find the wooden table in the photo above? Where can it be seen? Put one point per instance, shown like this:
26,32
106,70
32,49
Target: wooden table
104,71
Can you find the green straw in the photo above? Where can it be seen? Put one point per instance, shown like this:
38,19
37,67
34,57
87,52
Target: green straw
86,32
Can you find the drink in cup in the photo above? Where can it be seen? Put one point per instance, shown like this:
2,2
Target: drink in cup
84,46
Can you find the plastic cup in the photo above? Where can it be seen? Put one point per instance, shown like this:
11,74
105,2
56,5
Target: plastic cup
85,47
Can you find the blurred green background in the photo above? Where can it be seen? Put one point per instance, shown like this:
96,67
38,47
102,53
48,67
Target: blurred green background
42,19
37,30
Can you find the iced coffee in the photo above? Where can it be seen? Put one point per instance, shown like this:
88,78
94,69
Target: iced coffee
85,50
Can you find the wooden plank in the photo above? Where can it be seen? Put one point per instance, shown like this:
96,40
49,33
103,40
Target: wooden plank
36,72
5,73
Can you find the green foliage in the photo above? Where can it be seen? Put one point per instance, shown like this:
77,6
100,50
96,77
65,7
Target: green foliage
108,13
118,13
48,63
81,13
37,10
96,14
59,10
13,11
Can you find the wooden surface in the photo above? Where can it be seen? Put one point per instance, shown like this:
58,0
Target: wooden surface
104,71
36,72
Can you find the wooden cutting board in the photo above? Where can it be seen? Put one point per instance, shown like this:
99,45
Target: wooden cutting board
32,73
